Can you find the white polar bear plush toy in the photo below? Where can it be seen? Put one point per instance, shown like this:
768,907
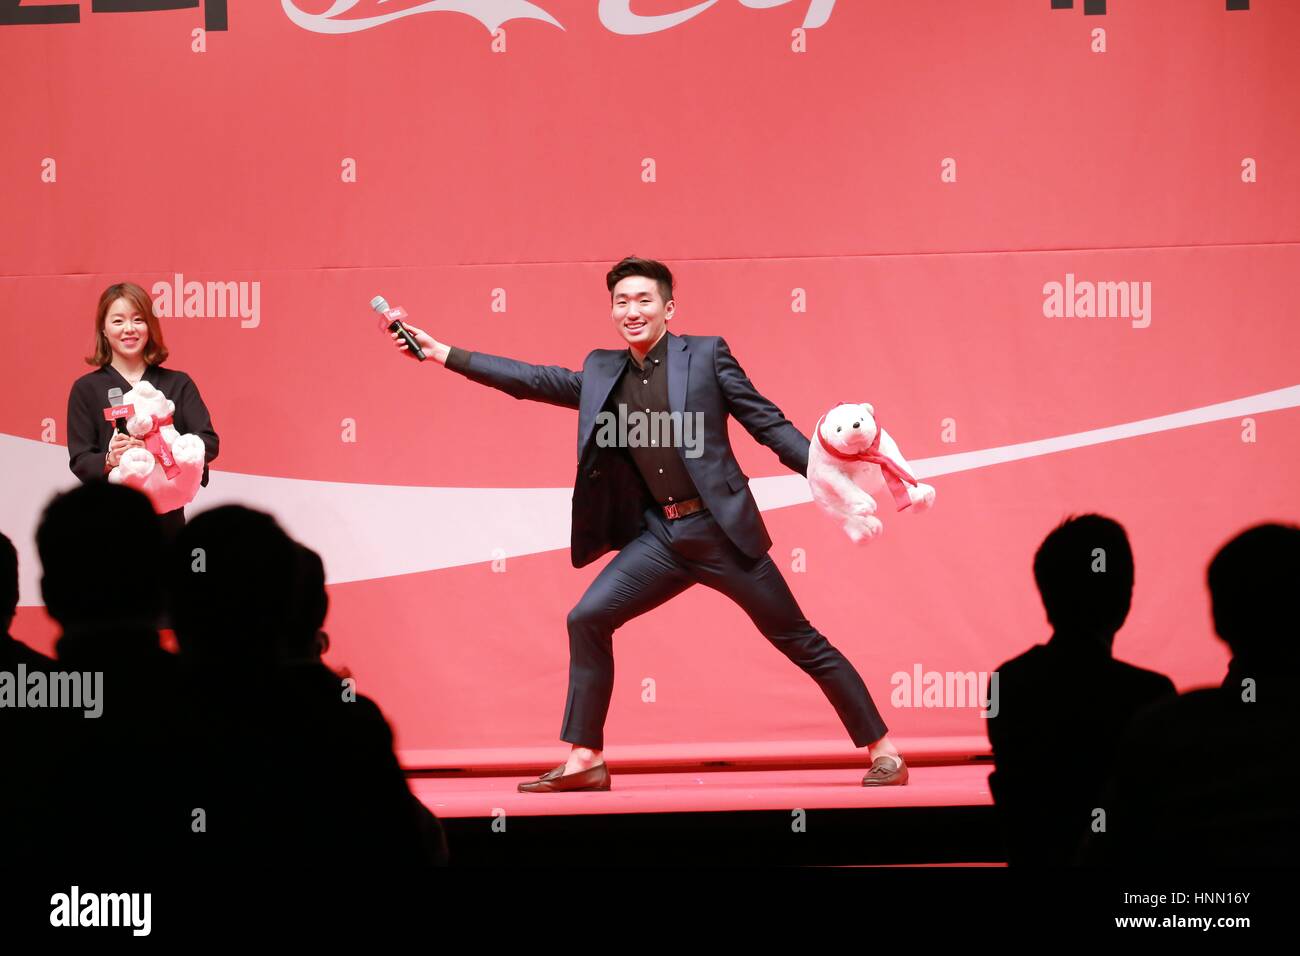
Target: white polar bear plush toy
170,466
851,458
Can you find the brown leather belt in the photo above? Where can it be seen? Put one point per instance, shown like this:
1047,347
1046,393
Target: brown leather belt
680,509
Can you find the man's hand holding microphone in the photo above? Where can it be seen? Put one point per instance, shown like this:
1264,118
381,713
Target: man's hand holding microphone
412,341
428,344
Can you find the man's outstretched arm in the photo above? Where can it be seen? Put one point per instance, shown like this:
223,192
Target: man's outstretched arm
760,417
553,384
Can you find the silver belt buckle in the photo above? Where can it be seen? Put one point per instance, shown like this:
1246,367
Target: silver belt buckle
671,510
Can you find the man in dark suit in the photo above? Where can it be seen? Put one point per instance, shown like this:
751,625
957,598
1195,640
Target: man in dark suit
677,515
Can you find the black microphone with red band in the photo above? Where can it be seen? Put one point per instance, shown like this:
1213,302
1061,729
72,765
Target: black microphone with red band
391,319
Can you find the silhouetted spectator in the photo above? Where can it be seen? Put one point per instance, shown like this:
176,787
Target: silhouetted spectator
306,644
305,639
105,789
1062,705
13,652
26,736
1209,778
299,771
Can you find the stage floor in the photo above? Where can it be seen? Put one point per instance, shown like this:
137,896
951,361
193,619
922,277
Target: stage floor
964,785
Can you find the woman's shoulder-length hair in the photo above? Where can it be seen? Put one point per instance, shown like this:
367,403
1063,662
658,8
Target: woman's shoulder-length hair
155,350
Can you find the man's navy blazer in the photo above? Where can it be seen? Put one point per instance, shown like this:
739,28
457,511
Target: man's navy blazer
609,497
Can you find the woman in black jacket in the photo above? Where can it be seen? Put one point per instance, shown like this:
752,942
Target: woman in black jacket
129,348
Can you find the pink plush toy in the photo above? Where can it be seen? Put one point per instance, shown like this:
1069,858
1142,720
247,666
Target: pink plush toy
170,466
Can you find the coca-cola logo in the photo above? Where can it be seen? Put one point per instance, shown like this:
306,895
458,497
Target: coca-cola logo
352,16
15,13
615,15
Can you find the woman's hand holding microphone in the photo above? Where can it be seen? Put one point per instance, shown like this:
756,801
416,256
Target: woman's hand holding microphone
120,443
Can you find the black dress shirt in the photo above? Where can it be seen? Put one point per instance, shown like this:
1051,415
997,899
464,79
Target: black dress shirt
642,389
89,434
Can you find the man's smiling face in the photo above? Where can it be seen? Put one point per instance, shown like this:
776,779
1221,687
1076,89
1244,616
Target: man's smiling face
639,312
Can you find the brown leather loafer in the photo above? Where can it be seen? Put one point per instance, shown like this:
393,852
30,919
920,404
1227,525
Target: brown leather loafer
886,770
552,774
597,778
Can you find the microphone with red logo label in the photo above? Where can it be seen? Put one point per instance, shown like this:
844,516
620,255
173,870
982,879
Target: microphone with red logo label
391,320
116,411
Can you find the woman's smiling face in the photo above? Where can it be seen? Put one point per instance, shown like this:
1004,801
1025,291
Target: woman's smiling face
126,329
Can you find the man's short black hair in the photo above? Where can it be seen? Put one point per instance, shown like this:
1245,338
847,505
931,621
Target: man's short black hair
1076,594
310,603
238,603
78,530
636,266
1253,595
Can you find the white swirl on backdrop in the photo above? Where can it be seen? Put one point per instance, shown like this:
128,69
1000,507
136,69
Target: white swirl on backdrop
367,531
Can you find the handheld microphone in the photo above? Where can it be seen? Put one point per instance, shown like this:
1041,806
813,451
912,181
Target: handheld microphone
117,413
391,320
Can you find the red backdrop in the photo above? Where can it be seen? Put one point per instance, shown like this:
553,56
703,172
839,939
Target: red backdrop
918,172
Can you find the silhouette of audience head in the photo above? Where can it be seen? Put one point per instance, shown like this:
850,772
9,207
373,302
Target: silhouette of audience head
86,588
1254,597
8,583
1084,572
231,575
305,639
